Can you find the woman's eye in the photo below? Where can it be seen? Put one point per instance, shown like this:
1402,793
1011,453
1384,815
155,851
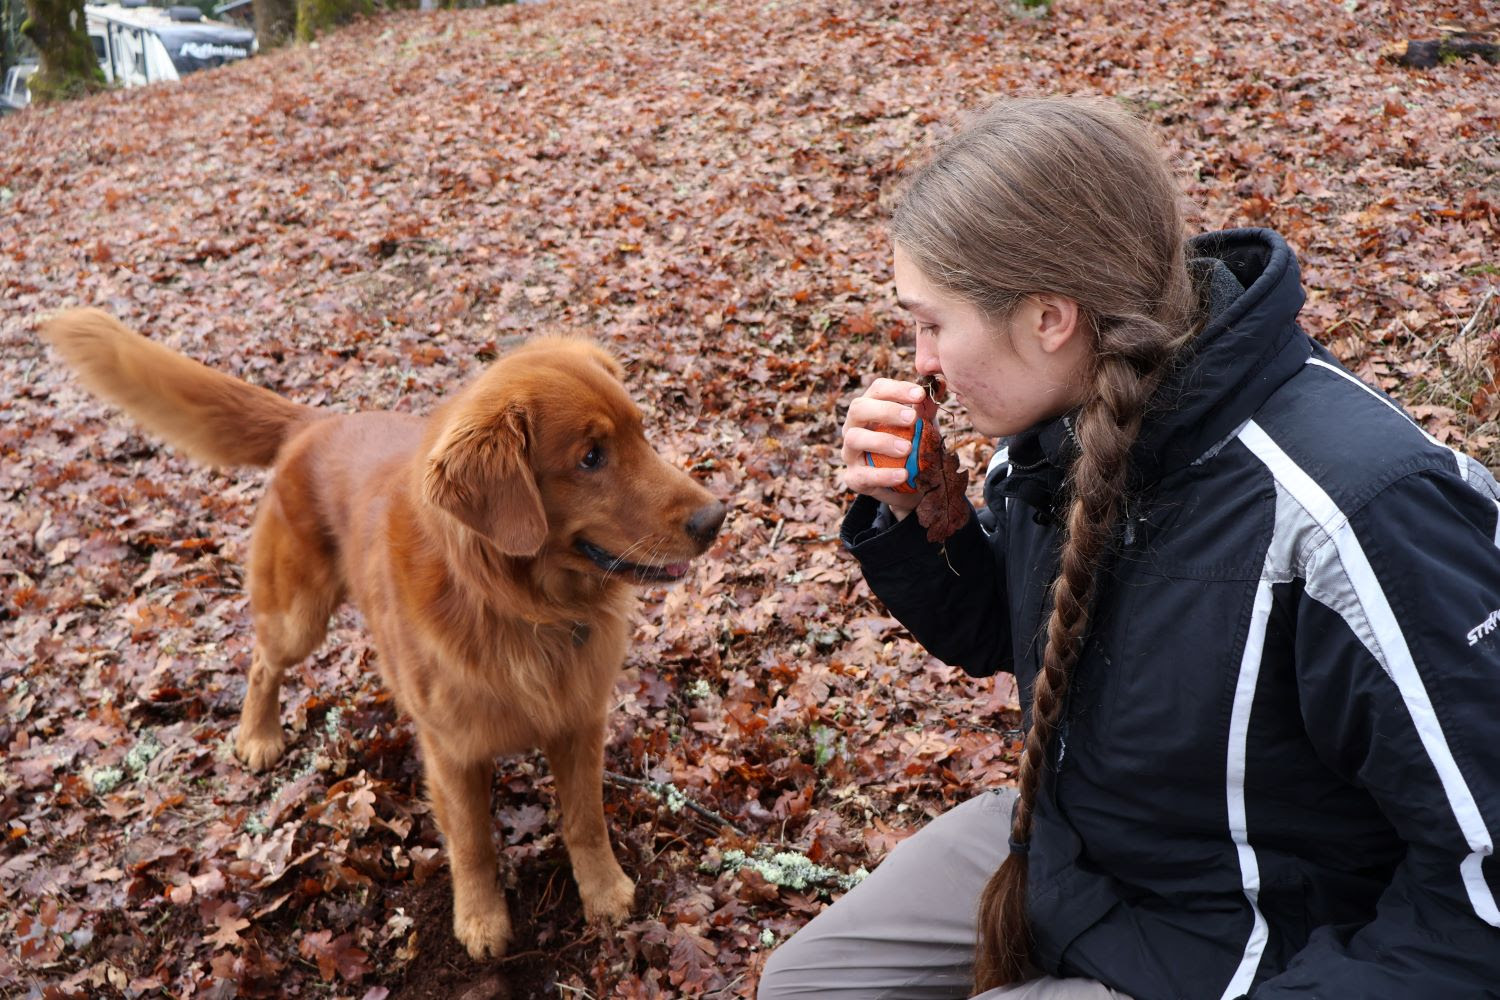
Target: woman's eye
927,330
593,459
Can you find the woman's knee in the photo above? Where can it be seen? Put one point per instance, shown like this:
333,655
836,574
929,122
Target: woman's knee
910,925
787,973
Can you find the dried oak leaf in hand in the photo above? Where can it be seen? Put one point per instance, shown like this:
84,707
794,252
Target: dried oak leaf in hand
943,508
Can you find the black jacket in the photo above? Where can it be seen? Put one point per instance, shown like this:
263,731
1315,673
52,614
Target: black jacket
1279,769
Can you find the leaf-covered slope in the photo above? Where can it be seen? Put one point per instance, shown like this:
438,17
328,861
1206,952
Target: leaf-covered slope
700,186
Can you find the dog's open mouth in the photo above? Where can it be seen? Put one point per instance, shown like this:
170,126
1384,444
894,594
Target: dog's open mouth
639,572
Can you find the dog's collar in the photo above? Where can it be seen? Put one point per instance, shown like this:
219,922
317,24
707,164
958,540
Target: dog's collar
639,572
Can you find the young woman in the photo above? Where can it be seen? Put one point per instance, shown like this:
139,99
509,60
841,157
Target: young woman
1250,605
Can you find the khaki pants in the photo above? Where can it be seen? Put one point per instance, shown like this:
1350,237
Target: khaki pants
907,932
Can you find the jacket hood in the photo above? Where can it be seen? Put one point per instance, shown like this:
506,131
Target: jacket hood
1248,346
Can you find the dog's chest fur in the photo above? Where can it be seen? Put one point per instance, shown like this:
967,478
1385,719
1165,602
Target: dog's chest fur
529,686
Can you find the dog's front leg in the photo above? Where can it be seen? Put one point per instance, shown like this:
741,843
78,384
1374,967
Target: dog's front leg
577,761
460,793
258,740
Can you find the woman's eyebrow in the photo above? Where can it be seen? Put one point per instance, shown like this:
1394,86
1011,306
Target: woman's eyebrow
910,305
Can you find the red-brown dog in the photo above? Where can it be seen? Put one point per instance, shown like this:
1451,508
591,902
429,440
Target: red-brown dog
492,548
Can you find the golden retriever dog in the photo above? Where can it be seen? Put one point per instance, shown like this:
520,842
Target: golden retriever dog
493,548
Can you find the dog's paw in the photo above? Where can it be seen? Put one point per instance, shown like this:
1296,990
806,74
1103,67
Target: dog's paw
609,903
258,752
485,933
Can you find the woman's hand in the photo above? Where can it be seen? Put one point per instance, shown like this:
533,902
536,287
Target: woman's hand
890,403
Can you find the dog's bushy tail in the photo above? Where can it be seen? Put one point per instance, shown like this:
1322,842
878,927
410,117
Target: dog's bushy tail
213,417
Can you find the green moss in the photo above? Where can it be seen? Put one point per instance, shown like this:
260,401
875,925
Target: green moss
314,17
68,67
827,744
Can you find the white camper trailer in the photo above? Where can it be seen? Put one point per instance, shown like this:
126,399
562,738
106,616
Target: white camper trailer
137,44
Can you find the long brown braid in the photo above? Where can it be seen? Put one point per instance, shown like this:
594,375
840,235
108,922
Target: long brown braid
1070,197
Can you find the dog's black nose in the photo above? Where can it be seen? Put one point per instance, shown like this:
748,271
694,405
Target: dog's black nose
704,523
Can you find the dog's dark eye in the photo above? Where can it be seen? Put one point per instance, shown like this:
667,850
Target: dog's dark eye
593,459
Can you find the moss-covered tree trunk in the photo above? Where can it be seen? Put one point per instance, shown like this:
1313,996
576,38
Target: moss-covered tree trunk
275,20
68,67
316,16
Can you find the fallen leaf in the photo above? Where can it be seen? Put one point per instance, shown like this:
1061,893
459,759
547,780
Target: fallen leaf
227,929
334,955
943,508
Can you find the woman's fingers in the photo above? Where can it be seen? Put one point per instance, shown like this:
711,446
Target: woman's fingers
875,481
900,504
883,439
895,390
868,412
880,422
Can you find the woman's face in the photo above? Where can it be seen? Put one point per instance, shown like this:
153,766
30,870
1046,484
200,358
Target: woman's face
1010,375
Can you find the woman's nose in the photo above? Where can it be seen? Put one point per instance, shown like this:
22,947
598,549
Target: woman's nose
927,358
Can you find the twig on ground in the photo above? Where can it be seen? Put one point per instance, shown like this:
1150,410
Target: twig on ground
814,539
776,535
1473,325
180,589
661,790
1009,734
724,990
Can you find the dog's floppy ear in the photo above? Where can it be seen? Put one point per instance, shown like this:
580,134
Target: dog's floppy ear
479,471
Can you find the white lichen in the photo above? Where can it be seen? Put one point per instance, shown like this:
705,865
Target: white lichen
104,780
791,870
698,690
147,748
668,794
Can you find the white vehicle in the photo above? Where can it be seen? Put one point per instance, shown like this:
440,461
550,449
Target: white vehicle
137,44
16,95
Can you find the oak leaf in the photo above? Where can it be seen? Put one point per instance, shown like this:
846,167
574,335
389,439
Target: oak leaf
943,508
693,964
335,954
228,924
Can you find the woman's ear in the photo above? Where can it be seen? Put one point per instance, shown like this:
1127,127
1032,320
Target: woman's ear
480,472
1056,319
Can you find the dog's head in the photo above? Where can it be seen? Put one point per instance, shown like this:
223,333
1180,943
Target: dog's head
546,452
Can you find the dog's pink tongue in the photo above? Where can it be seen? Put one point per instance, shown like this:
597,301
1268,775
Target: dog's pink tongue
677,569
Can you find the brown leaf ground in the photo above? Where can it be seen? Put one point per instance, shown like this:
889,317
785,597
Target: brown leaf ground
701,186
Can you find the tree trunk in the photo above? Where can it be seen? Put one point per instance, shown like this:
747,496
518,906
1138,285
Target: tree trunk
274,21
68,67
316,16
